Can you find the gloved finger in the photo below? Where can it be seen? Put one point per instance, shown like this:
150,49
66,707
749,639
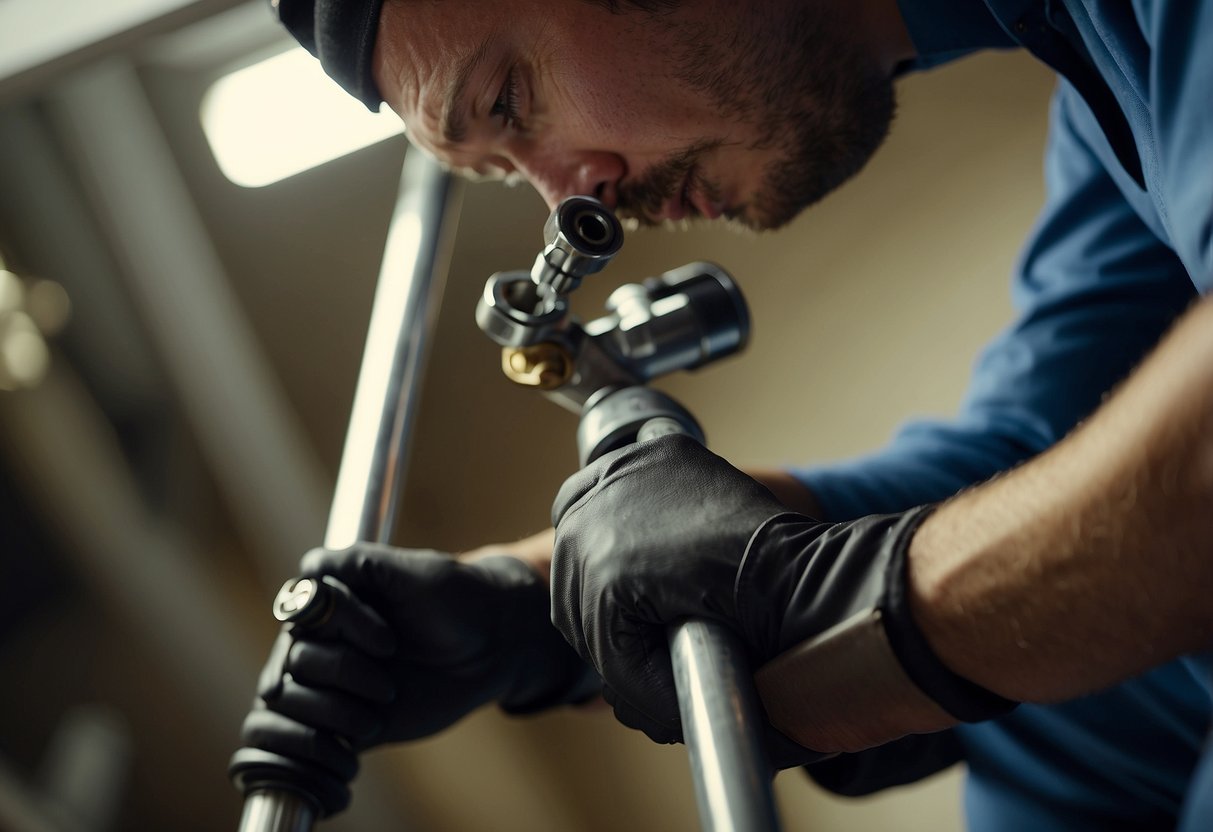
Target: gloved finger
566,589
624,462
337,667
573,490
280,734
633,657
634,718
269,683
372,570
432,700
353,621
329,710
576,488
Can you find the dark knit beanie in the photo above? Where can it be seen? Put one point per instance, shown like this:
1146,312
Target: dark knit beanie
341,33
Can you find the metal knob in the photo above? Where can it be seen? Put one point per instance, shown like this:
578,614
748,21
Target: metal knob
304,602
581,236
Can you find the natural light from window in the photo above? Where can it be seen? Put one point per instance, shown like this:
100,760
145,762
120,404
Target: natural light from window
282,116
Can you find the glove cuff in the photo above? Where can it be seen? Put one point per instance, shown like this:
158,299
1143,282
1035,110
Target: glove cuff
859,673
965,700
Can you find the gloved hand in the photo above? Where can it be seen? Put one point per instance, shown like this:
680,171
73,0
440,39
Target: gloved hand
416,640
665,530
902,761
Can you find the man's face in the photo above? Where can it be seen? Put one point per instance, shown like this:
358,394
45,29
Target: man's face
709,109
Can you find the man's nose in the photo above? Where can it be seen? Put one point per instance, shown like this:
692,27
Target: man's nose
593,173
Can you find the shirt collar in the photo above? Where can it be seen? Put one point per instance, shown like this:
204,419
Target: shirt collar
943,30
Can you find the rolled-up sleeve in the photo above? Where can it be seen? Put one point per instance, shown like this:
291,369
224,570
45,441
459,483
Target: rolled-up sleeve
1094,290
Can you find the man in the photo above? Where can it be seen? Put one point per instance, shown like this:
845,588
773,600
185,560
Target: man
1051,626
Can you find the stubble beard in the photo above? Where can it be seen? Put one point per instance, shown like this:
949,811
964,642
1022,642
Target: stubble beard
800,86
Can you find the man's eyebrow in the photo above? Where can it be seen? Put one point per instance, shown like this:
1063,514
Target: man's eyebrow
454,109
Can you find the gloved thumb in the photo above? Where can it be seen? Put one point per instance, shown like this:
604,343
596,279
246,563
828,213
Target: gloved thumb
633,717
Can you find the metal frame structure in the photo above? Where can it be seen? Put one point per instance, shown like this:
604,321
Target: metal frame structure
251,437
40,41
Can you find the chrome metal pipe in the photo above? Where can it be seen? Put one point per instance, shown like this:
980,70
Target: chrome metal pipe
389,384
385,399
722,729
721,715
279,811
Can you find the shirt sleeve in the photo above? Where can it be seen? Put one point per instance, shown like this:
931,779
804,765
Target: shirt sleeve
1180,33
1094,290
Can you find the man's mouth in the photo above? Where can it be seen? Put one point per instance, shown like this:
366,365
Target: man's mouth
706,206
690,201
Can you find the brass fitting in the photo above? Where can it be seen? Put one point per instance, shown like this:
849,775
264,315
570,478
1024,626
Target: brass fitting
545,365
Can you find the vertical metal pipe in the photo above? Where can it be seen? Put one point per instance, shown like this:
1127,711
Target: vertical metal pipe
721,715
385,399
279,811
389,383
722,730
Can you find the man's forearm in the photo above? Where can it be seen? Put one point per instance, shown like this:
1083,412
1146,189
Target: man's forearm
788,490
1092,562
535,551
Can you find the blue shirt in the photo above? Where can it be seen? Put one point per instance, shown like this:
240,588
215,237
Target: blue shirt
1123,245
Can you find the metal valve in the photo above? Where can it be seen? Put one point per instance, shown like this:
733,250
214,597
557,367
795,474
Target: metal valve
683,319
687,317
519,308
581,236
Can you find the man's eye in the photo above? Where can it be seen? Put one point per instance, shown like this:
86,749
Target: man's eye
506,105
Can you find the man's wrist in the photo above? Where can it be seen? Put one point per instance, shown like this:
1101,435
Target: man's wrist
853,671
788,490
902,607
535,551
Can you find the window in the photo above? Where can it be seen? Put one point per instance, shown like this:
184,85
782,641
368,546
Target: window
282,116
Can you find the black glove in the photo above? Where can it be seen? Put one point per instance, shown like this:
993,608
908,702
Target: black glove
665,530
416,640
897,763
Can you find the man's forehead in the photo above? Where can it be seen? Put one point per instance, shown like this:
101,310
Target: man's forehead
425,62
453,103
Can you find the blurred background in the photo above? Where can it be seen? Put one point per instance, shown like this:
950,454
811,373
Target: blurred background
179,341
